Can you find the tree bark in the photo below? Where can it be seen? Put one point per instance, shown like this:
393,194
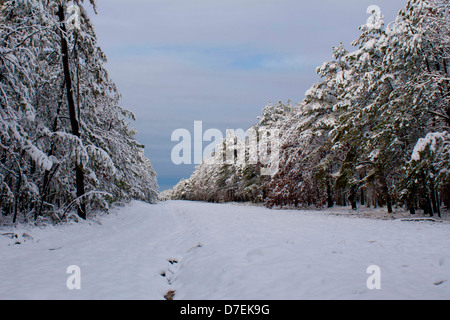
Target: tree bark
352,198
435,201
72,111
329,195
438,201
17,194
387,195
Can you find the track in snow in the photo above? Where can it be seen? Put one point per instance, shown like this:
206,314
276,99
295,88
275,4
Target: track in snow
226,251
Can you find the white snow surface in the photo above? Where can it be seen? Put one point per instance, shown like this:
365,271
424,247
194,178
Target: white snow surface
430,140
226,252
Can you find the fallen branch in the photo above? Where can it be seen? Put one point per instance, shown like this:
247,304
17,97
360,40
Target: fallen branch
77,200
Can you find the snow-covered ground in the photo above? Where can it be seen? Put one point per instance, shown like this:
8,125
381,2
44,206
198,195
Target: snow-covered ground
226,251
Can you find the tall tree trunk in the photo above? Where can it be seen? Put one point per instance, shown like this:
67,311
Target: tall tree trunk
17,194
72,111
388,201
352,198
434,204
429,207
362,195
329,194
438,202
435,201
410,202
386,194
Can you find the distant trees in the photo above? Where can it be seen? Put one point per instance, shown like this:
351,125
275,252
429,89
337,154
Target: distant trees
65,139
374,131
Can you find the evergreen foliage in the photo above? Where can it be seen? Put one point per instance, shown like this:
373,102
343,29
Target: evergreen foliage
45,66
374,131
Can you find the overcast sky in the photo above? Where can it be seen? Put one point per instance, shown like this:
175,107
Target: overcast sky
218,61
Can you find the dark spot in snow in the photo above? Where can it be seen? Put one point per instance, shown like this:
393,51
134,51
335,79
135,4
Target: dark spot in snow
169,295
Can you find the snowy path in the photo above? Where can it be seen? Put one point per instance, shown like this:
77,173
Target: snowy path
212,251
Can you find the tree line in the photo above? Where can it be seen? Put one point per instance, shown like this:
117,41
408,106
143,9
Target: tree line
373,131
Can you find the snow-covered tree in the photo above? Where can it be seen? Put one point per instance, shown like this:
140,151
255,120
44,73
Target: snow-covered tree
303,134
235,170
65,138
393,96
374,130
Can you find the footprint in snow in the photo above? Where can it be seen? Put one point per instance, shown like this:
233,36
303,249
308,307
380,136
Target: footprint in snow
171,272
169,275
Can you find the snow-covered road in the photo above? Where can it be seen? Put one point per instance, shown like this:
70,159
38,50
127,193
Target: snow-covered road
227,251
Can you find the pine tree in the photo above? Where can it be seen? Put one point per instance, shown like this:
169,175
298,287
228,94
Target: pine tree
359,134
62,112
